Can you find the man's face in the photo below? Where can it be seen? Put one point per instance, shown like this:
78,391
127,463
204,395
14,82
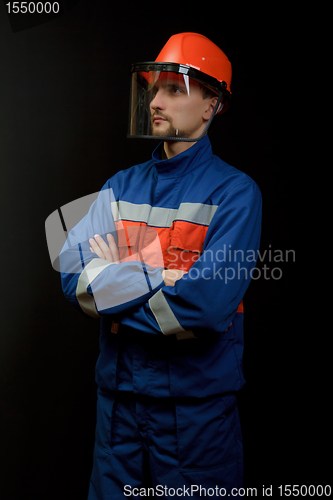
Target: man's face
178,107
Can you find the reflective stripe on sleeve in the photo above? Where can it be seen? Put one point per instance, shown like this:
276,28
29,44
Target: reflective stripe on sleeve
89,273
166,319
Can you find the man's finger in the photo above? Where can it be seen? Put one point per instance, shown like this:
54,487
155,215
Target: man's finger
113,248
101,248
170,276
95,248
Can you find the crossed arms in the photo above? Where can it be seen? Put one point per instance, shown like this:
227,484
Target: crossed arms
109,251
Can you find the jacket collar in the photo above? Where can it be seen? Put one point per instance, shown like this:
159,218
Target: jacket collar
184,162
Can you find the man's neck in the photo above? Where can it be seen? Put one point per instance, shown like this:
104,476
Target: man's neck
174,148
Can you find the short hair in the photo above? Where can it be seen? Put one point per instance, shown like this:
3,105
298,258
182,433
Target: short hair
206,92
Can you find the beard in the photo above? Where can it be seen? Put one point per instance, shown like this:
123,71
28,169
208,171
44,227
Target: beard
171,131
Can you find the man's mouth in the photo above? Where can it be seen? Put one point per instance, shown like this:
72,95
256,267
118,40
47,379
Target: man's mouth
159,119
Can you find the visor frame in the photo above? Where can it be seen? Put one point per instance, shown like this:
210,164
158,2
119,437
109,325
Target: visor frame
206,80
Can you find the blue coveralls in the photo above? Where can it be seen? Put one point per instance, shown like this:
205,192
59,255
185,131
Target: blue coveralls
170,365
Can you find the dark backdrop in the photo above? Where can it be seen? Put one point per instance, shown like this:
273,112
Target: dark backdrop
63,115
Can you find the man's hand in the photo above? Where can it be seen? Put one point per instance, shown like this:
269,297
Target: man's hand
107,251
170,276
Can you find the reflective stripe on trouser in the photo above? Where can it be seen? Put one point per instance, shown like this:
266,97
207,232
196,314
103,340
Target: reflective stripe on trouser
143,442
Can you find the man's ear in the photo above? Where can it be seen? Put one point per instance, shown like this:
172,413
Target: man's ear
210,108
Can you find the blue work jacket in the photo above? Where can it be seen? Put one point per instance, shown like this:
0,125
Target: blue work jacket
192,212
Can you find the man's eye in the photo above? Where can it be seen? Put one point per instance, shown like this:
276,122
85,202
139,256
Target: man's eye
176,90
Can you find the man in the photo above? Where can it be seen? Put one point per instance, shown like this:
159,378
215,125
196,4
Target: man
164,258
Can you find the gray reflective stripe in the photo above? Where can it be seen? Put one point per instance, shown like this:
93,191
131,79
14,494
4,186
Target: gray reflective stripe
89,273
130,211
198,213
162,217
165,318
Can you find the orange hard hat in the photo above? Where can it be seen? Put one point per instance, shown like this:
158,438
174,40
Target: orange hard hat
199,53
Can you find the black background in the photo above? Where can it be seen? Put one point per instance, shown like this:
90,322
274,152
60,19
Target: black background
64,89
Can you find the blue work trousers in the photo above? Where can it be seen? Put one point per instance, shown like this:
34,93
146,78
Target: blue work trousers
166,448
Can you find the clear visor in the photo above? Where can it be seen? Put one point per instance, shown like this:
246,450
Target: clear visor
155,95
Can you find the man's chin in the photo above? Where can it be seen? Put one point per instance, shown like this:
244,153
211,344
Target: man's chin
163,132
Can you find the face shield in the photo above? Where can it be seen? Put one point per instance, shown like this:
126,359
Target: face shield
160,94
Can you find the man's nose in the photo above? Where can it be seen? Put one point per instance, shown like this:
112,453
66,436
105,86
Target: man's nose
158,101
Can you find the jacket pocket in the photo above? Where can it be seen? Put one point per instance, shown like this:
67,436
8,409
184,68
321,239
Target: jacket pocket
186,243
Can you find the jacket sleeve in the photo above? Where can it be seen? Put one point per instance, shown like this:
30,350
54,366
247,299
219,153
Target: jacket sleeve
100,287
207,297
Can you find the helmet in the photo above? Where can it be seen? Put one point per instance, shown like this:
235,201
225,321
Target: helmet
186,56
199,53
